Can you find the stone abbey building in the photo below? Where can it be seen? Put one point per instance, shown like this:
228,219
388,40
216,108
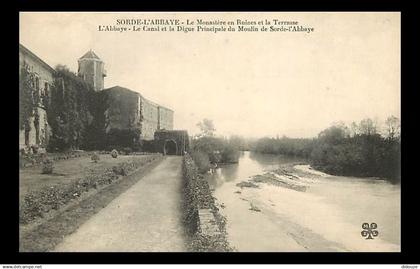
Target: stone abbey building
126,109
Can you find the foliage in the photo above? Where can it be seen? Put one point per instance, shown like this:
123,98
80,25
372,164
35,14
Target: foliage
229,153
358,150
217,149
37,202
207,149
119,170
393,125
239,142
206,127
95,157
27,95
95,137
197,195
299,147
127,150
127,138
114,153
69,113
202,161
47,166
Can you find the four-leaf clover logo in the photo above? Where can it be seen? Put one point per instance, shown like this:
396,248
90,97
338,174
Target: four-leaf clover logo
369,230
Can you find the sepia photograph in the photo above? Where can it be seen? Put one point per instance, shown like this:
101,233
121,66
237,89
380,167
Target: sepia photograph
209,132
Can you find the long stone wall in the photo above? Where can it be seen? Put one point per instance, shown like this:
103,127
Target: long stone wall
204,224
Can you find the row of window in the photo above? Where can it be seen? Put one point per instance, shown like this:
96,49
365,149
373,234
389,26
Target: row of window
43,90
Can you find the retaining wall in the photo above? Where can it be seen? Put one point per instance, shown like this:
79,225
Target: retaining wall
204,224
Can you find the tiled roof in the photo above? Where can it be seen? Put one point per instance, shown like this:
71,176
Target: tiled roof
90,54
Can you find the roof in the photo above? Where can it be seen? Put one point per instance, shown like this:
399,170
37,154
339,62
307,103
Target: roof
119,88
25,50
90,55
172,131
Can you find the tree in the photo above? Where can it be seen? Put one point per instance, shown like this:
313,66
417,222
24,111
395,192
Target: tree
26,98
368,127
68,113
354,129
392,124
206,127
333,135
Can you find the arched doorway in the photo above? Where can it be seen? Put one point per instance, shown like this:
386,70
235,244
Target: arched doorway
170,147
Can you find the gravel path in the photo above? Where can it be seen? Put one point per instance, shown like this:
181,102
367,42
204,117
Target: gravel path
147,217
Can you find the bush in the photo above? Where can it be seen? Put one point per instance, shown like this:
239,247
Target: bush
202,161
114,153
35,149
197,195
47,166
95,157
119,170
229,154
127,150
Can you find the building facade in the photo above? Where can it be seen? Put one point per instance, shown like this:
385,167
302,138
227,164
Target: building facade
42,75
126,110
129,110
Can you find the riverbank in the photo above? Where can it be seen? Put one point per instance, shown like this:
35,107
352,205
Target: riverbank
205,226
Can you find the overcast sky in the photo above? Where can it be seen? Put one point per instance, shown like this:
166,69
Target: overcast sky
251,84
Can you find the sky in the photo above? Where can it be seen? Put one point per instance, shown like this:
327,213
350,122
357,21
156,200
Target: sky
252,84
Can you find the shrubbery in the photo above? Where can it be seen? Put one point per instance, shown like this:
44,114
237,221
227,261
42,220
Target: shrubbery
95,157
340,151
197,195
202,161
69,112
47,166
35,203
213,150
114,153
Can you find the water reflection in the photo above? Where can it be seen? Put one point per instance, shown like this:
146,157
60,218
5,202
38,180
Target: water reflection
271,159
250,163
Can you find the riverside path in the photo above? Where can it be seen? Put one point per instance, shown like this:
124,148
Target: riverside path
147,217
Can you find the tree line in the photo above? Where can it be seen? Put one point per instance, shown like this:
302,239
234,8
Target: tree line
359,149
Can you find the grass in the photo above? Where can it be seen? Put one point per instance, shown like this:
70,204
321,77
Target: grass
66,171
46,234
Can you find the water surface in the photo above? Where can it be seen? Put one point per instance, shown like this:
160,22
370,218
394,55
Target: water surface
326,217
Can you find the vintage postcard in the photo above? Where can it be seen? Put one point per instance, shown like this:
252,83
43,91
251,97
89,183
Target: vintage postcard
209,132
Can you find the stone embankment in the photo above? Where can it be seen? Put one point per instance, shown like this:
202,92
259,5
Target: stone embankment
204,223
36,204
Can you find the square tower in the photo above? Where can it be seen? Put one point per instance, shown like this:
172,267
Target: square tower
91,69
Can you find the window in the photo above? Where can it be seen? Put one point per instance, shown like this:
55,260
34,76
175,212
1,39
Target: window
37,83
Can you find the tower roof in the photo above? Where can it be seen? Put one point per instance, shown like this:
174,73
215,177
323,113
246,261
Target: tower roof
90,54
